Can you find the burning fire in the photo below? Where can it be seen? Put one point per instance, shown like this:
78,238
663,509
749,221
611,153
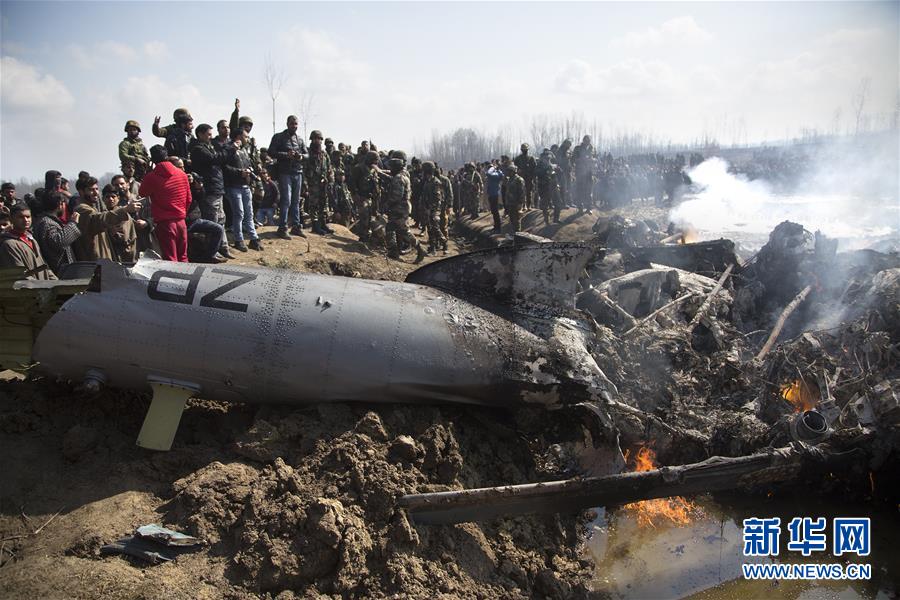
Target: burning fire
802,396
676,510
689,236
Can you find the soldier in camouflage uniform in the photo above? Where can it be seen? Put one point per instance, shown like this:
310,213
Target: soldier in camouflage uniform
584,175
415,178
132,149
514,196
470,187
527,167
318,174
432,202
368,195
448,204
397,206
548,186
177,116
564,162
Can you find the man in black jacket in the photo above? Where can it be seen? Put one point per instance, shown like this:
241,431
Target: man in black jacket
238,177
289,152
178,139
208,159
53,236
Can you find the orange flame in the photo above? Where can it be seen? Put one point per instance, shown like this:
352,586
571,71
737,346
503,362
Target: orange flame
802,395
676,510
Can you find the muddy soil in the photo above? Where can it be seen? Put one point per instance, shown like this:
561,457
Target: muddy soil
292,502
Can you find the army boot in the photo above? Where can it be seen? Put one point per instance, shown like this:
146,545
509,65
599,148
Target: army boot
283,234
420,254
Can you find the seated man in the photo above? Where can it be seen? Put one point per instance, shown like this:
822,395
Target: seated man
19,249
212,232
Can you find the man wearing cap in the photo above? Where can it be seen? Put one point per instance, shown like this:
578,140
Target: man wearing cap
318,173
527,167
170,196
246,123
132,149
8,194
289,151
180,138
18,248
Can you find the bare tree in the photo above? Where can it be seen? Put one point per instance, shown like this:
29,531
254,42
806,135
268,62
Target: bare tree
275,78
307,106
859,100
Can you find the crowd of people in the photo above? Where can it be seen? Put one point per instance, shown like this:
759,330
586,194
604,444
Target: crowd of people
185,197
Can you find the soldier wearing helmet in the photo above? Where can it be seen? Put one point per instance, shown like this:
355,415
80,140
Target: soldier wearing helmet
367,189
432,202
470,187
319,176
244,122
178,116
397,207
527,171
132,149
548,186
514,196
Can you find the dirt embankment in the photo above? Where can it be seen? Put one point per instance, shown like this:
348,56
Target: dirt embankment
293,503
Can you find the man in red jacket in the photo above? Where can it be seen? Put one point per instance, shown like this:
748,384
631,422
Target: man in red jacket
170,196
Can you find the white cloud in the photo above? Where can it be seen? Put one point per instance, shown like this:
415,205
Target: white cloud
156,49
316,62
110,52
26,89
680,30
629,78
11,47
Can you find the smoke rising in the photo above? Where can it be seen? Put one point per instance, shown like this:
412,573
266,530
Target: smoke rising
847,190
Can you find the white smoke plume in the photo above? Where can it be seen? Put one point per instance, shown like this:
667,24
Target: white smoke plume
847,190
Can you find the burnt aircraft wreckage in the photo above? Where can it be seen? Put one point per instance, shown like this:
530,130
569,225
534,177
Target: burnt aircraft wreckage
494,327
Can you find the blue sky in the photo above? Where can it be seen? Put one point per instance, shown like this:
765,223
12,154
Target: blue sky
73,72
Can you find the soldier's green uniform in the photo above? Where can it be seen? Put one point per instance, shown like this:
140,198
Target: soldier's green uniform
318,176
398,208
527,167
564,162
548,187
445,209
432,202
132,150
514,196
584,175
470,186
368,195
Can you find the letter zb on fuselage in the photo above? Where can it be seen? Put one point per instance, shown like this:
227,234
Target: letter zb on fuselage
209,300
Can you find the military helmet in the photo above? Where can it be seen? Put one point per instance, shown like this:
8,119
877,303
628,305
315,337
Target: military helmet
398,154
371,157
428,167
470,165
315,134
512,169
525,146
181,115
396,163
329,141
132,123
245,121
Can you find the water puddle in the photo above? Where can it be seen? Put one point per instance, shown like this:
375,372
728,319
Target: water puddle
702,559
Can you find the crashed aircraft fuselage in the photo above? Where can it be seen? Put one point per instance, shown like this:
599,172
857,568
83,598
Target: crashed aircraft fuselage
248,334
